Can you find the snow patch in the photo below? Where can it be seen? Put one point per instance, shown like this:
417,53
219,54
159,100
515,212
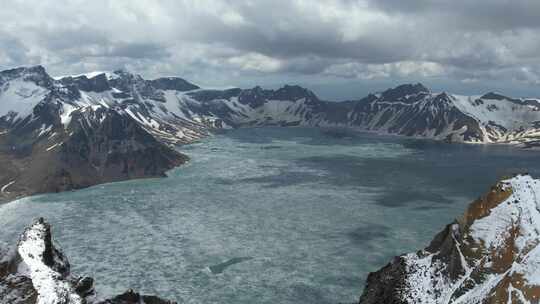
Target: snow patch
20,97
4,188
65,117
53,146
49,284
90,75
44,129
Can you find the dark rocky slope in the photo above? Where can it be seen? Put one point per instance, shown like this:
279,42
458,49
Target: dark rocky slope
98,147
36,272
56,145
489,255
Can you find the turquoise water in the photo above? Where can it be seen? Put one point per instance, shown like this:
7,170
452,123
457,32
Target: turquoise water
268,215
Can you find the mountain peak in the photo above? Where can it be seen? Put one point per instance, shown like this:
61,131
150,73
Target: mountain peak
494,96
36,69
89,75
500,97
404,91
419,86
443,95
173,83
36,74
124,73
293,92
490,254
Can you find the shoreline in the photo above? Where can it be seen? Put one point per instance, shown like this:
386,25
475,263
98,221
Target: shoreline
11,196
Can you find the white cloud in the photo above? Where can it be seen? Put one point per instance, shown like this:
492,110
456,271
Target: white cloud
203,39
255,62
396,69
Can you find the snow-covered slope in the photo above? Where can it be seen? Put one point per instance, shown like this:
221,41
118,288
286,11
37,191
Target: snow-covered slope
287,106
46,267
490,255
23,91
19,98
176,111
153,104
36,272
83,118
413,110
57,135
501,118
410,110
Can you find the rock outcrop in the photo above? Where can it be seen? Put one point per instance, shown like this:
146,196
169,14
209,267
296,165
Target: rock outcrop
36,272
489,255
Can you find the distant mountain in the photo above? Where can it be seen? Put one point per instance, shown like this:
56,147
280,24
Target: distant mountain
59,135
410,110
75,131
36,272
489,255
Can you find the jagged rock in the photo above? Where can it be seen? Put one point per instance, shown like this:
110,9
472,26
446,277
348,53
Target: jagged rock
131,297
489,255
173,83
14,288
57,139
36,272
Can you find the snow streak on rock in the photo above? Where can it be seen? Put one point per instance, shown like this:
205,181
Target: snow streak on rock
45,265
490,255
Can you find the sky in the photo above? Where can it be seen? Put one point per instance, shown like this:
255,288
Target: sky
341,49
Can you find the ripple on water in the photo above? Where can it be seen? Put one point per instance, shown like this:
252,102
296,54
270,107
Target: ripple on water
267,215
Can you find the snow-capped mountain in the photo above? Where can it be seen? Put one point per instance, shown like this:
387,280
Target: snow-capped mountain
489,255
71,132
287,106
410,110
413,110
36,272
176,111
28,92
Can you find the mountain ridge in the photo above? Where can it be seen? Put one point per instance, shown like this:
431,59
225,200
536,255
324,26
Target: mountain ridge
56,125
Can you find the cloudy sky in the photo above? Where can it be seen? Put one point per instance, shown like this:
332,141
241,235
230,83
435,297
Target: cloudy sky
341,49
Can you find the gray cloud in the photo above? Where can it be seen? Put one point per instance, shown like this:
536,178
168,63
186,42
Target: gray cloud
493,15
223,42
12,51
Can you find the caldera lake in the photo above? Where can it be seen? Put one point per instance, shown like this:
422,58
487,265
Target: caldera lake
268,215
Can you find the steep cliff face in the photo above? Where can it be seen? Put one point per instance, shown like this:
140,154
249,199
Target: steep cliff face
55,137
489,255
36,272
98,146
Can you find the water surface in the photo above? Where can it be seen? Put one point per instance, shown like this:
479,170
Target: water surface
268,215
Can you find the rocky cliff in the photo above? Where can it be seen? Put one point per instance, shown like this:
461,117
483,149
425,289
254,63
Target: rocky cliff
489,255
36,272
52,141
